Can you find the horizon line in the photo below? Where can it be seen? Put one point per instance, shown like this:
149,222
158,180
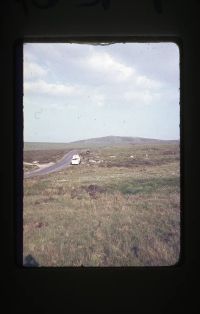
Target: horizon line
139,137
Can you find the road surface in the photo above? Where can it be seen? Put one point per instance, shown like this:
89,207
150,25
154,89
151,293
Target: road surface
62,163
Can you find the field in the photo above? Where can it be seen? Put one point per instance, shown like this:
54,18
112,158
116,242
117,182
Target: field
119,207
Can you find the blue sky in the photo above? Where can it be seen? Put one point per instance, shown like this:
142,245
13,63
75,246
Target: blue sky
79,91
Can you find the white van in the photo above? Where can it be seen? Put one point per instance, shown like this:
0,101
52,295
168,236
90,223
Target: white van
75,160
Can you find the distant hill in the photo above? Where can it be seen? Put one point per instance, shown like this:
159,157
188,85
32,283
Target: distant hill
118,141
96,142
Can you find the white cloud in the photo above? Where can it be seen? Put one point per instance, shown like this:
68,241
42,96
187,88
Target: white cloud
71,107
106,64
51,89
142,98
33,70
145,82
113,72
98,100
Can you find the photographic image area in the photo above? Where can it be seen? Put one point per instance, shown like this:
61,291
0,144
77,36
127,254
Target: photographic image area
101,154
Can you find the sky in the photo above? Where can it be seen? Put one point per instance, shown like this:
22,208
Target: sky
82,91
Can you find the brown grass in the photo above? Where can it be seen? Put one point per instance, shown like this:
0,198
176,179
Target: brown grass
106,216
44,156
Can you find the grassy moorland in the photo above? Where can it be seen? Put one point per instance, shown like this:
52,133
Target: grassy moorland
119,207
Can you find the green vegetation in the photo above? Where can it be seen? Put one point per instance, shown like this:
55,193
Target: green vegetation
107,141
111,210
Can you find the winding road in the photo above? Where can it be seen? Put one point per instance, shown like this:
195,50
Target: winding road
62,163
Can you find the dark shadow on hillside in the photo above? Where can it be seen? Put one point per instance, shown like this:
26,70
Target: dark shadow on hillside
29,261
